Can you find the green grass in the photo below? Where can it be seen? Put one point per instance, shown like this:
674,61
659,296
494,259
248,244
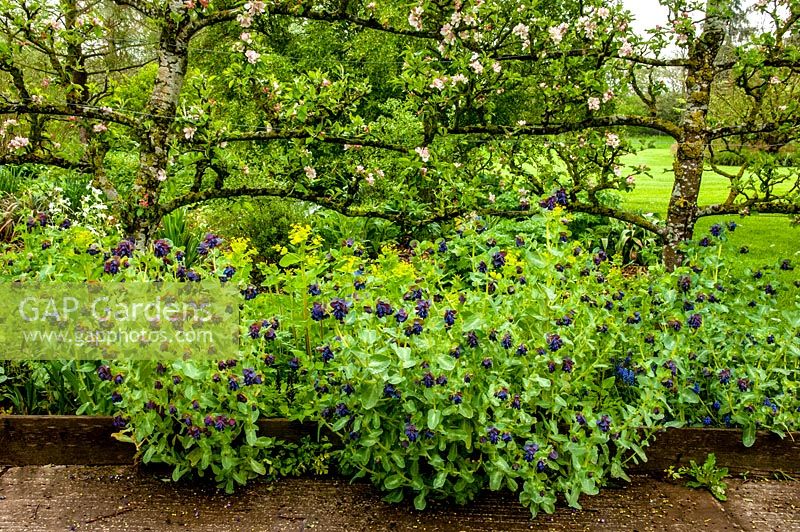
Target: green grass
770,238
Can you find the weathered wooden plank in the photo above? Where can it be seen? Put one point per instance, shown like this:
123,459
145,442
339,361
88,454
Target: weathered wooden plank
769,454
83,440
119,498
40,440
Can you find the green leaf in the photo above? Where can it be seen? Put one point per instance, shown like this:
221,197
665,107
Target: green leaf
434,418
371,396
379,364
250,436
177,473
495,479
393,482
440,479
257,467
749,435
446,362
290,259
419,501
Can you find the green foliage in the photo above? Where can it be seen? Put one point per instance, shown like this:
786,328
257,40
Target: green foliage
707,476
371,233
484,360
175,228
265,223
51,387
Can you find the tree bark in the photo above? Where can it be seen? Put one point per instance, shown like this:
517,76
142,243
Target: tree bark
682,212
143,217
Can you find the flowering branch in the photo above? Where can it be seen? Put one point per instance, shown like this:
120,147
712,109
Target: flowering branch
266,136
28,107
650,122
47,160
338,15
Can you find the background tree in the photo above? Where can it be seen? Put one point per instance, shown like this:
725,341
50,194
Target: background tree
426,114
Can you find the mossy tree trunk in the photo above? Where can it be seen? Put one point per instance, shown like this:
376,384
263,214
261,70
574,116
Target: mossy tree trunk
693,143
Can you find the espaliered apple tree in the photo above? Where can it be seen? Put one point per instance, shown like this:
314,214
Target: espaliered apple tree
411,113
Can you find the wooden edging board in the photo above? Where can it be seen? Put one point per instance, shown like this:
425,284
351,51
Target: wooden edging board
87,440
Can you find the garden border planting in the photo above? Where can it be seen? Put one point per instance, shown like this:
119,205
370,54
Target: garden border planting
88,440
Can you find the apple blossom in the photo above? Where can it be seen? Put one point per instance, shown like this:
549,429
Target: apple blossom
415,18
252,56
18,142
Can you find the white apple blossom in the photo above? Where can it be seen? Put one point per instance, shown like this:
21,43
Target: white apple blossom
17,143
593,103
244,21
256,7
476,65
415,18
161,175
438,83
423,153
448,33
626,50
246,37
100,128
189,131
523,32
557,32
252,56
608,96
311,173
612,140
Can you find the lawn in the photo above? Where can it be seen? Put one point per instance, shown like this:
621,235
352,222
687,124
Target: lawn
770,238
